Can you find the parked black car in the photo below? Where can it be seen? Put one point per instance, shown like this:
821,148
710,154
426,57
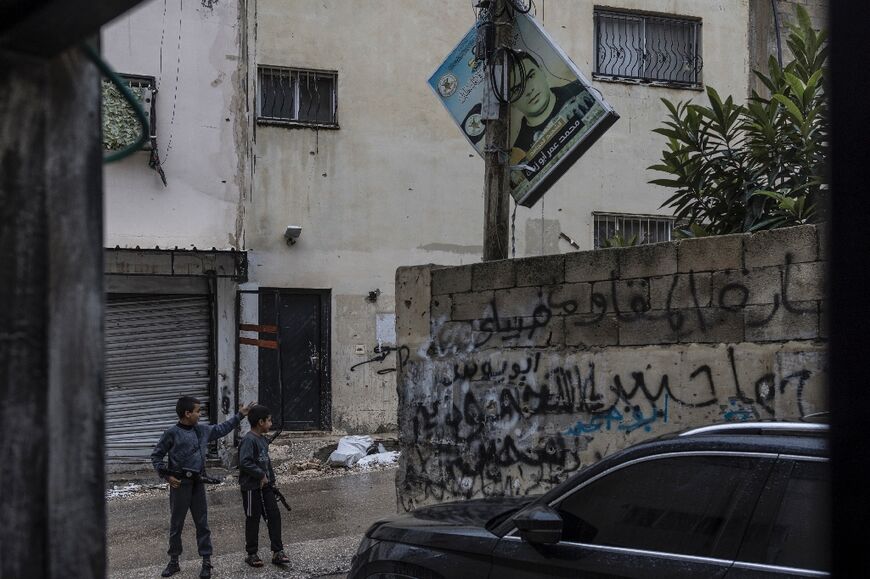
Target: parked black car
740,500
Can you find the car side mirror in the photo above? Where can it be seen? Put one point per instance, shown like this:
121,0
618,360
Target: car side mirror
539,525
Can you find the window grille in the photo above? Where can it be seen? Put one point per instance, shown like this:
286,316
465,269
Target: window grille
648,48
297,96
632,229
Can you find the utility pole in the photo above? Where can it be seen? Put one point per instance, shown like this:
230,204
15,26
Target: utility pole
497,156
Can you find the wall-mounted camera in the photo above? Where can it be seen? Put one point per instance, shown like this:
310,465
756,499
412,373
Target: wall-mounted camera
292,233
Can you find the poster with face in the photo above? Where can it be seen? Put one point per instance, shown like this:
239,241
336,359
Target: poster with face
555,115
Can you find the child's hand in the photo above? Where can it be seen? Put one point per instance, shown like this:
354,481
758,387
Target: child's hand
243,410
173,482
265,481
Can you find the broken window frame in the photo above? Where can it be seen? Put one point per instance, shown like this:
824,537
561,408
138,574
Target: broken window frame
139,81
294,116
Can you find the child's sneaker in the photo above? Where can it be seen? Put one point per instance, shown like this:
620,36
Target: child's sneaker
254,560
280,558
171,569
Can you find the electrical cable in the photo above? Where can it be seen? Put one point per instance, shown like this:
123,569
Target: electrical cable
514,232
518,6
162,37
134,103
511,60
177,79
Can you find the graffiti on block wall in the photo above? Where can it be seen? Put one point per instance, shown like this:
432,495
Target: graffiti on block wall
515,389
515,422
684,307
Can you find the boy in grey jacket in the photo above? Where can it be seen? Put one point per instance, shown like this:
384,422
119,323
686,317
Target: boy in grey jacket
257,479
186,444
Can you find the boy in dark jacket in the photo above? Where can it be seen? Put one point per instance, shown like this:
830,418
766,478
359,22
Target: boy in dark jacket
256,478
186,443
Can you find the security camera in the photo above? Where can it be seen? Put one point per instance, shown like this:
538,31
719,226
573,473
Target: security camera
292,233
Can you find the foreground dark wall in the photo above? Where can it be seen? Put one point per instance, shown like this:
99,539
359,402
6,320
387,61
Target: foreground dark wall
51,396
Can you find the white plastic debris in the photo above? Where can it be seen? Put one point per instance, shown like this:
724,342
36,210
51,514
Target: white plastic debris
123,491
350,450
379,459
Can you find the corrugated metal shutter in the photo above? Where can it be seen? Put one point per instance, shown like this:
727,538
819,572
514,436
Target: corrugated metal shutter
157,349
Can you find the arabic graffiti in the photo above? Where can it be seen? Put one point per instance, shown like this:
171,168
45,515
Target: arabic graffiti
519,421
511,390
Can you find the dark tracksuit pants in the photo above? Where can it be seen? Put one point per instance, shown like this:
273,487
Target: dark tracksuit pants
190,496
254,503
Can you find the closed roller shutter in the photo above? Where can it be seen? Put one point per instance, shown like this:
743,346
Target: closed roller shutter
157,349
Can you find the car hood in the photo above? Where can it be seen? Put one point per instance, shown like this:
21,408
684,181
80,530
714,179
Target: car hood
467,518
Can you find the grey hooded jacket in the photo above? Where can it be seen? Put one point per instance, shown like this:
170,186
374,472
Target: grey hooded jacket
187,446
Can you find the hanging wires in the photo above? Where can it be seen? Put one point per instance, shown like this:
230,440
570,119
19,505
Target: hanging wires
511,68
502,59
514,231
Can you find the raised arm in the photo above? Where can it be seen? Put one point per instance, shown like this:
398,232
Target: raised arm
224,428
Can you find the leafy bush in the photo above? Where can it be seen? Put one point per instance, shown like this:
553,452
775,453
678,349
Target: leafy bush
619,241
762,165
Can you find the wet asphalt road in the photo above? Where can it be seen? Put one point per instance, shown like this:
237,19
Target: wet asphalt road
320,535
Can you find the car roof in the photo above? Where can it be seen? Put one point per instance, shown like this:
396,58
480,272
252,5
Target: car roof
788,438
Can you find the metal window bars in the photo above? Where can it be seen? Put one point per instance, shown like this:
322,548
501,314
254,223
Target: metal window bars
643,228
290,95
648,48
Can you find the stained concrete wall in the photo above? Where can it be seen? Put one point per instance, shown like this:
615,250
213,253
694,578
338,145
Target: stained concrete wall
397,183
514,374
193,51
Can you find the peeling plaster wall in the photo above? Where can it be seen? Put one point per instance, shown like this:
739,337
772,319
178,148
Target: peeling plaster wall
514,374
397,183
192,49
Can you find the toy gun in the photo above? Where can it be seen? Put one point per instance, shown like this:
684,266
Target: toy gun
195,476
280,497
274,436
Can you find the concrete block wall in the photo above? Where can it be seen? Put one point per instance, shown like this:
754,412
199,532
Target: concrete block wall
514,374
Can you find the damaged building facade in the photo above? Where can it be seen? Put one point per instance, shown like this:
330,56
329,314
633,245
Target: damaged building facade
306,159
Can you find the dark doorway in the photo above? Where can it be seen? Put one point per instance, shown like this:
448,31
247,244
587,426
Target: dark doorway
294,378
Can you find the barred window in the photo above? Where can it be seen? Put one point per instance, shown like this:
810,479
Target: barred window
648,48
120,124
297,97
619,229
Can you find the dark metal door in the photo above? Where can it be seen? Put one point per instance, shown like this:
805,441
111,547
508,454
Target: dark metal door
294,380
